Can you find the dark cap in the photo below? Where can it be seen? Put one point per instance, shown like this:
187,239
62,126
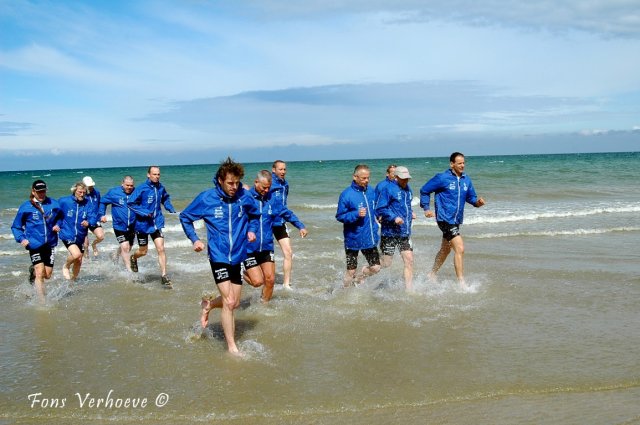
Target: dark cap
39,185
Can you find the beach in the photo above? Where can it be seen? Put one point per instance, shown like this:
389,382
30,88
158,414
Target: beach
546,334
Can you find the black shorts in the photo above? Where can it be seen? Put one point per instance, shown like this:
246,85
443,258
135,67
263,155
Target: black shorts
388,244
92,228
223,272
370,254
67,244
449,231
254,259
143,238
45,254
125,236
280,232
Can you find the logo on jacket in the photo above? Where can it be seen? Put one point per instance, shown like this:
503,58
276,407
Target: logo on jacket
150,199
452,186
464,187
240,212
218,212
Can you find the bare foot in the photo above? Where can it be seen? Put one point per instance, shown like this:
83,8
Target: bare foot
463,285
65,272
432,277
237,353
287,286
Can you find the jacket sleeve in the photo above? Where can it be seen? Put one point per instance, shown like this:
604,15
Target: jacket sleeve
104,201
166,201
253,213
383,206
345,213
135,204
471,197
17,228
193,212
290,217
425,192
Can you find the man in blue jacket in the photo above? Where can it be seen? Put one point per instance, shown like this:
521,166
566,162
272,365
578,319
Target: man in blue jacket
36,228
451,188
123,219
93,197
78,214
393,207
259,265
226,211
356,210
147,201
280,191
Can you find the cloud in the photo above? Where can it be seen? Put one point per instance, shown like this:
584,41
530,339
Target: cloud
609,18
8,128
352,112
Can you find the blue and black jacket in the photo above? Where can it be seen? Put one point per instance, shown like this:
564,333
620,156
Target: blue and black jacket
450,194
74,213
227,221
392,202
123,218
147,201
35,221
359,232
271,211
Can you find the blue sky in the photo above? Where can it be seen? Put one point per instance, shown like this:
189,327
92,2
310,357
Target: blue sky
117,83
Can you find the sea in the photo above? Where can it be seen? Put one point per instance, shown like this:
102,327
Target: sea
547,333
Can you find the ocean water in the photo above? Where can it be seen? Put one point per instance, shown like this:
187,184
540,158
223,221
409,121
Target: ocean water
547,333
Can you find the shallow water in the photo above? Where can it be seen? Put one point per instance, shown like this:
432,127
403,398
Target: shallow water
547,333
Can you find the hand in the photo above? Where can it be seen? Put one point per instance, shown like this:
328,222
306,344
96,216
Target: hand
429,214
84,223
103,219
303,232
479,203
398,220
198,246
362,212
251,237
25,243
56,228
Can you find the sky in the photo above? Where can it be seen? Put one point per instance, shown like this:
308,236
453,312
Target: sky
130,83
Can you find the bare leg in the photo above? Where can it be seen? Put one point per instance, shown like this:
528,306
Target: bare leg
269,273
38,283
441,256
99,233
125,254
162,256
407,258
366,272
73,259
230,301
386,261
254,277
287,264
458,260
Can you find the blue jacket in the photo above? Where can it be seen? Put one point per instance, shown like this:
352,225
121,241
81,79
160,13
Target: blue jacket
74,213
227,222
123,218
146,201
451,192
393,202
271,210
94,203
31,224
279,191
359,232
381,185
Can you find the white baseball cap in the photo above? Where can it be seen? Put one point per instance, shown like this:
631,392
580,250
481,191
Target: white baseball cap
88,181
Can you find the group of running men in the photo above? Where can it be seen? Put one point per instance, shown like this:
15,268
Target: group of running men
241,222
384,216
